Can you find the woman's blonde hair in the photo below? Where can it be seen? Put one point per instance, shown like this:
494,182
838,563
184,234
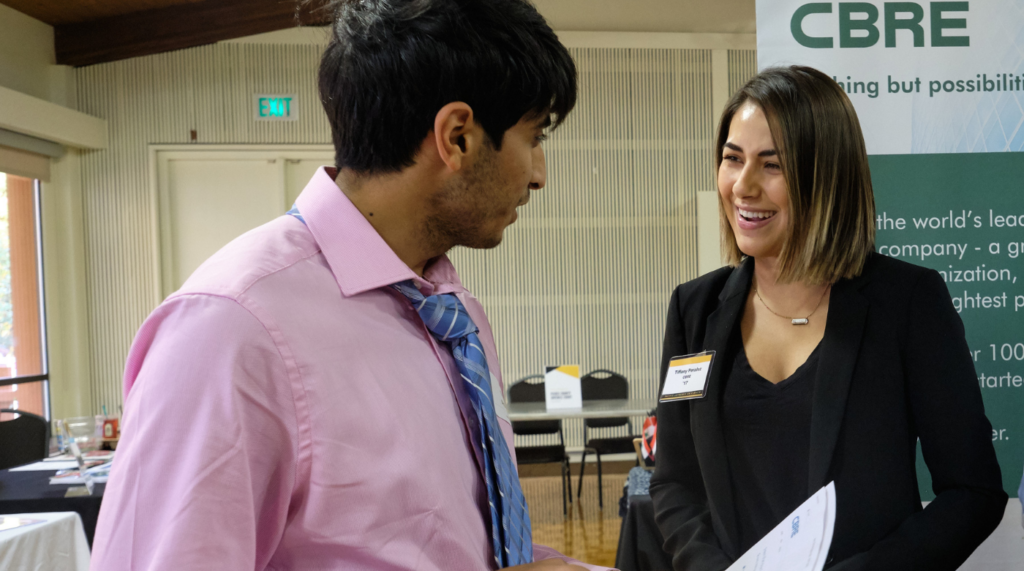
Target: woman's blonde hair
825,165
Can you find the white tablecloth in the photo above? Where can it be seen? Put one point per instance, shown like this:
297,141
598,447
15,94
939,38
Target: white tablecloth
55,544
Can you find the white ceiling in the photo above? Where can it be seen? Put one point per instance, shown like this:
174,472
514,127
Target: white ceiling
682,16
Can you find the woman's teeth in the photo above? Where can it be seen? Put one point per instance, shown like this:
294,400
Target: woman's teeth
755,215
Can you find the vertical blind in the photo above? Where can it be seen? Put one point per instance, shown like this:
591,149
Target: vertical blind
585,275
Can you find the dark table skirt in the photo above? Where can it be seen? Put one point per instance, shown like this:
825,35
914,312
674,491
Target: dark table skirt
31,492
640,540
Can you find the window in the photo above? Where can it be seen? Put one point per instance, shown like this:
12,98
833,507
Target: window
24,382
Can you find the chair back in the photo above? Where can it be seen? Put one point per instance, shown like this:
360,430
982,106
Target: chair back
24,440
602,384
530,389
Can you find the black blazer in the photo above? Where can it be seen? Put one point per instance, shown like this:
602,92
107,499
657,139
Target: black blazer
893,367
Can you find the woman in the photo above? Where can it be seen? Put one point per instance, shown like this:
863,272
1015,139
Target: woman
831,361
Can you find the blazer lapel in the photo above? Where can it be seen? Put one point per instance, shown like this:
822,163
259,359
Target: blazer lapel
706,417
847,313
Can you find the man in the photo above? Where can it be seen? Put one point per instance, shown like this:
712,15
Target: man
315,397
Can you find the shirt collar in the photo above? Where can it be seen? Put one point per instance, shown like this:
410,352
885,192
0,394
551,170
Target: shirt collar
358,257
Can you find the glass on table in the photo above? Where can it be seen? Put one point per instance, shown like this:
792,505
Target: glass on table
82,429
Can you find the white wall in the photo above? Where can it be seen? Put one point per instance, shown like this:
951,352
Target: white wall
27,66
26,53
64,268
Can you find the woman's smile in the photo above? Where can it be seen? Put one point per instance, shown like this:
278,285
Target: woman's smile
753,219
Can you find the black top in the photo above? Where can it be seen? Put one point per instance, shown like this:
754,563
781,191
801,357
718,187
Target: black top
893,367
768,440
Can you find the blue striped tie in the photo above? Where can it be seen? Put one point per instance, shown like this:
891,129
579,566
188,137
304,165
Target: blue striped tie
447,320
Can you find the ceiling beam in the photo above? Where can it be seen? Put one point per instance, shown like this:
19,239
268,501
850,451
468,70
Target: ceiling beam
178,27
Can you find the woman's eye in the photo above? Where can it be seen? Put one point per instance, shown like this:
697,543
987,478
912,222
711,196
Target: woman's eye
773,166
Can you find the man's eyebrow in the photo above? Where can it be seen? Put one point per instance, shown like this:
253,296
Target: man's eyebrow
545,123
765,153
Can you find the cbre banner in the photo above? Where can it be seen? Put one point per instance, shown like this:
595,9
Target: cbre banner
939,90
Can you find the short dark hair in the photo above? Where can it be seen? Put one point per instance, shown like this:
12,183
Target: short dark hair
391,65
825,165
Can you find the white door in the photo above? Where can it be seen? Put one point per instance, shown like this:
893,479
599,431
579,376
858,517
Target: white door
209,196
297,173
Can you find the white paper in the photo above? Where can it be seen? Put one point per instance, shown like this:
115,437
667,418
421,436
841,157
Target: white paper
562,387
47,466
79,479
94,455
800,542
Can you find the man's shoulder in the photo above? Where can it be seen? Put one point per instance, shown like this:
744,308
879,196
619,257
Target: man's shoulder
270,250
221,311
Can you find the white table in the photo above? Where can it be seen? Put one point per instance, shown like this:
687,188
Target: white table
591,409
57,543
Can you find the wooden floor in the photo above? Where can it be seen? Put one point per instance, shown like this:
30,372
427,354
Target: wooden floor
587,533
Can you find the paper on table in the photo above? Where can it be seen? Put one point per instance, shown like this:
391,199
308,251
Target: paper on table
76,478
93,475
44,466
9,522
101,455
800,542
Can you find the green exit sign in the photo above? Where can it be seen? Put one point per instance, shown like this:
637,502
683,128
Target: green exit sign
277,107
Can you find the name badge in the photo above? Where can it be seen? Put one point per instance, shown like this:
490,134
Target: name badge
687,377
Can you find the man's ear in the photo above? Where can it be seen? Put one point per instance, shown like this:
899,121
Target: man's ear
456,134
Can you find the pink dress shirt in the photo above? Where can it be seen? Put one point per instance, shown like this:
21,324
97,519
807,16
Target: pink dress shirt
287,410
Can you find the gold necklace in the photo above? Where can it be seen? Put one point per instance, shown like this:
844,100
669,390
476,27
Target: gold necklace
794,320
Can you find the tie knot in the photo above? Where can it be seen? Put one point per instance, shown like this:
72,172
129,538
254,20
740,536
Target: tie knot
443,314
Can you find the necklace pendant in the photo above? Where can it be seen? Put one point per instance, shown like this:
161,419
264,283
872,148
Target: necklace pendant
800,321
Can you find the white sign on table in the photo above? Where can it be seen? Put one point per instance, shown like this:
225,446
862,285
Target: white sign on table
562,387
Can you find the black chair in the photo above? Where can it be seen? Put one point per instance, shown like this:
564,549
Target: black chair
24,440
602,384
524,390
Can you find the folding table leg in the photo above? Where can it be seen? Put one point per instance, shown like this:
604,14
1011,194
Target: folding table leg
565,505
568,477
583,465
